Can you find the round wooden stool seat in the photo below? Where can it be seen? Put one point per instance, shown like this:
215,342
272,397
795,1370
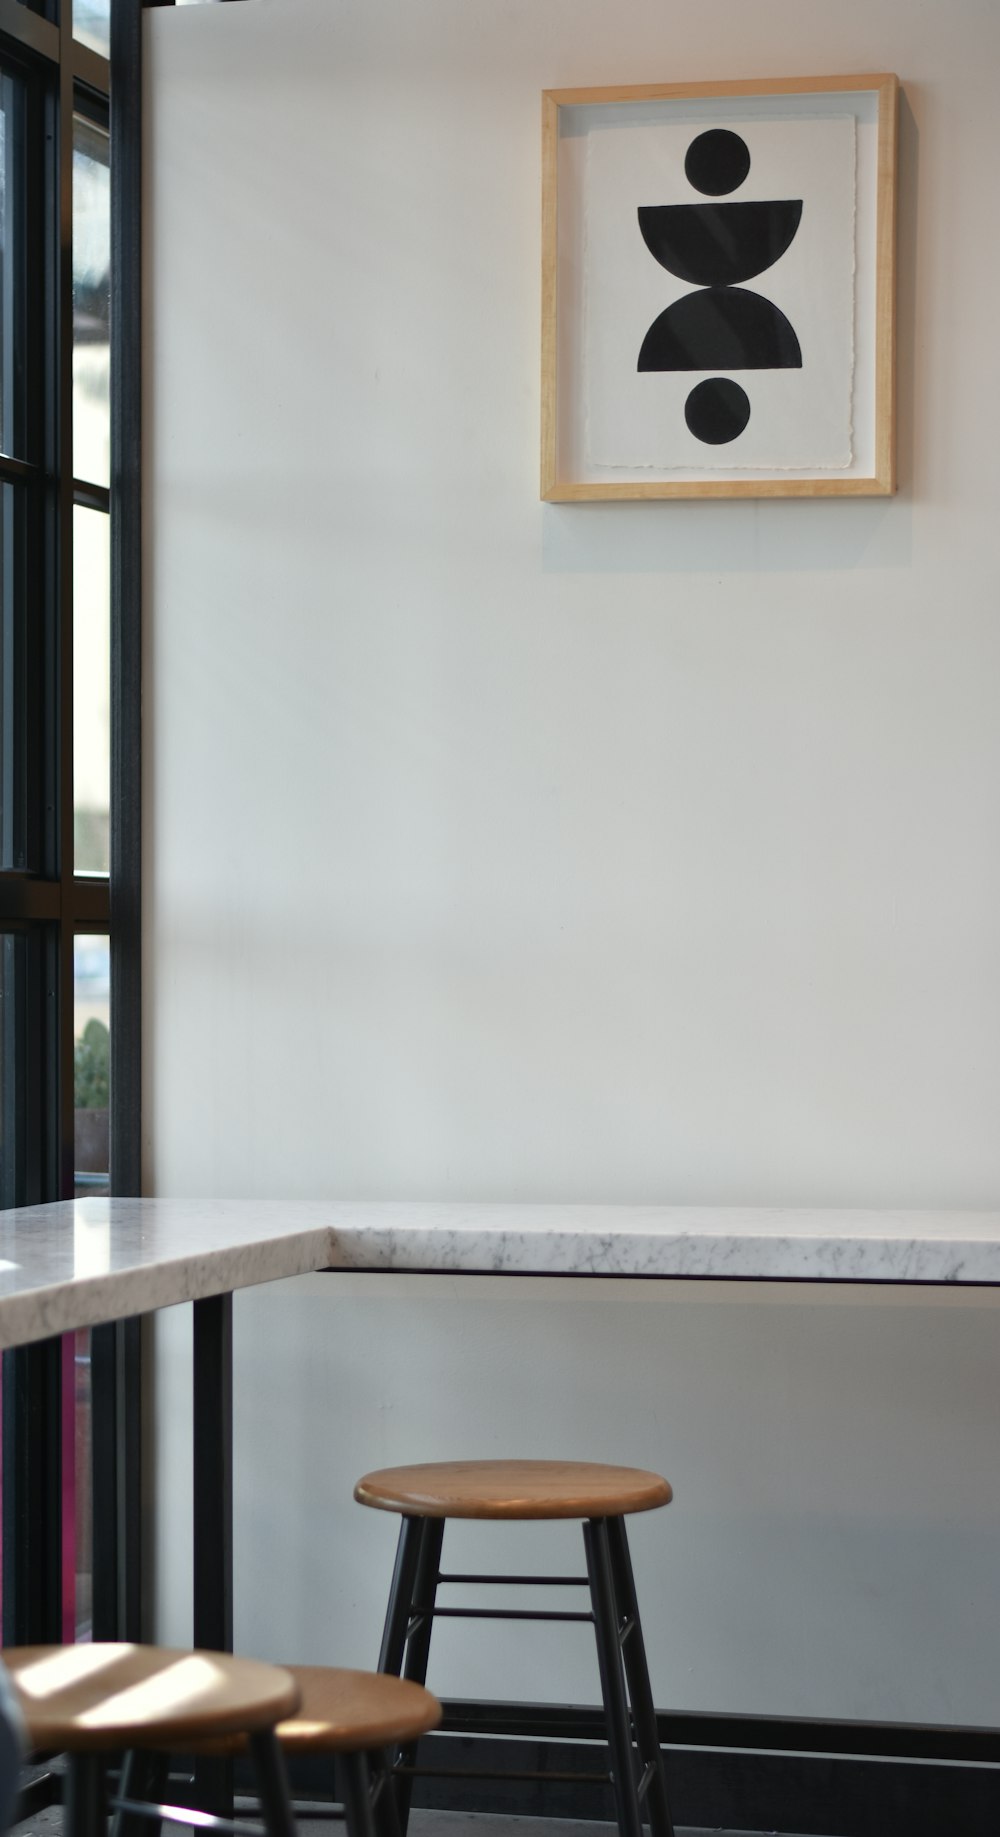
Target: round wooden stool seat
513,1489
341,1711
96,1697
348,1712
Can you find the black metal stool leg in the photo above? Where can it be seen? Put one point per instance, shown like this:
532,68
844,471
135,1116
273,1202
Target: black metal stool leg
637,1673
383,1794
144,1779
418,1640
272,1784
85,1812
425,1587
359,1817
401,1596
609,1658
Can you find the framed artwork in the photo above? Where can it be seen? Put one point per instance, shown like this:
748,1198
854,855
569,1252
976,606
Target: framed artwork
718,289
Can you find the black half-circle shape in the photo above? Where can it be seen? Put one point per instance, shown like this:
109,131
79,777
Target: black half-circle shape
721,328
716,245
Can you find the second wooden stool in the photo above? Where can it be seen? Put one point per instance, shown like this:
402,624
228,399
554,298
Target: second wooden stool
601,1496
352,1716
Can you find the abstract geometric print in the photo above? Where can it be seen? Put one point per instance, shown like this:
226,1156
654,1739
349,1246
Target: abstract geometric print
685,365
721,325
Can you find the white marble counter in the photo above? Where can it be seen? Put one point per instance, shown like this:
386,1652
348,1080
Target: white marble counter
81,1262
76,1263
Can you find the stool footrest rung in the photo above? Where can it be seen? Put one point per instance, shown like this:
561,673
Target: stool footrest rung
492,1613
185,1814
526,1581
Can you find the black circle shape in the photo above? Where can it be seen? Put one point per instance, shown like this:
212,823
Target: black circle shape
717,410
717,161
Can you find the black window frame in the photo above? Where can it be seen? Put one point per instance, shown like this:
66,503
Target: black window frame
44,905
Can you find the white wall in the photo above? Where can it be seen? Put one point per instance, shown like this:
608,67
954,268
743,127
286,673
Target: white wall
503,850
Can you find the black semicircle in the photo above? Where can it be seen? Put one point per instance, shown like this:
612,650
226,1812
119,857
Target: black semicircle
721,328
717,245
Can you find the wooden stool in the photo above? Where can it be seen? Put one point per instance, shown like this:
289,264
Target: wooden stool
601,1496
352,1715
94,1700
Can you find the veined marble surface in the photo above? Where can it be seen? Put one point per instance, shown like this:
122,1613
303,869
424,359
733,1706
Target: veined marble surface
80,1262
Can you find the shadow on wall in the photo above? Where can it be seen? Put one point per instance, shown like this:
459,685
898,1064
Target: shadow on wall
704,536
732,537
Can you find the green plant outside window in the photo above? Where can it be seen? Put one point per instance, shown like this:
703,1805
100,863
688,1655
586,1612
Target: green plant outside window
91,1060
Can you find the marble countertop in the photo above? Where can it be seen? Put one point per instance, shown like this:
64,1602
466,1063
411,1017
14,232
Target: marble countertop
77,1263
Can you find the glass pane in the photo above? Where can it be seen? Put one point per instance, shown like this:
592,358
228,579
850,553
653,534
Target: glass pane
12,683
6,1072
12,266
11,970
91,302
91,1061
76,1490
91,1092
91,689
92,24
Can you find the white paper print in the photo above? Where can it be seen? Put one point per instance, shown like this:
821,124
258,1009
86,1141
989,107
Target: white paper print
785,346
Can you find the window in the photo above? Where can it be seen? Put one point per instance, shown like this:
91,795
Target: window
68,677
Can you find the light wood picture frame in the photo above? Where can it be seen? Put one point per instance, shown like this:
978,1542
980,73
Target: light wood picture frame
663,375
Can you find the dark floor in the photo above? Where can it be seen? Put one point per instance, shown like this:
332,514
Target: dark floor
430,1824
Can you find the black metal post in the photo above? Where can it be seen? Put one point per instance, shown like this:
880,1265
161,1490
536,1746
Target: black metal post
213,1512
213,1473
32,1493
116,1459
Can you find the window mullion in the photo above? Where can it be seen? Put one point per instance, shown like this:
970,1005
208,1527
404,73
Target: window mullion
119,1605
63,374
126,595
